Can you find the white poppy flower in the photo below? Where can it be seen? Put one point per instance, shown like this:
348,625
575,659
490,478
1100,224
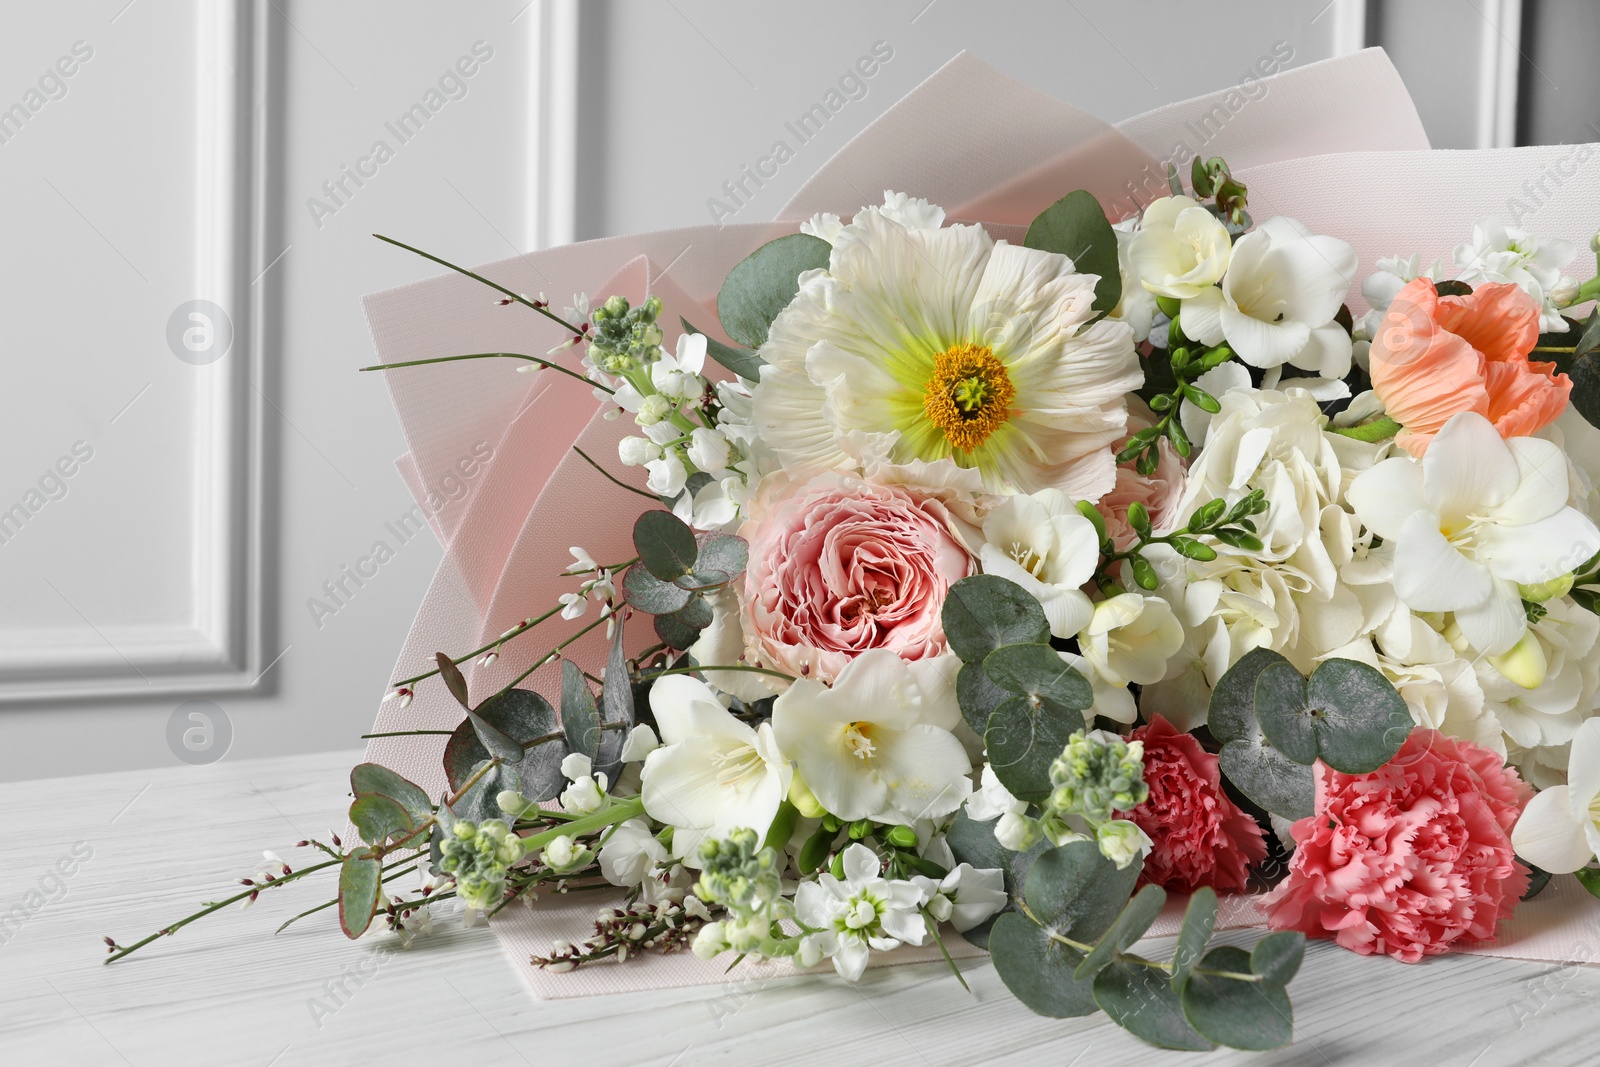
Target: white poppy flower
1474,518
1180,248
878,744
1277,303
713,773
864,912
1559,830
1044,544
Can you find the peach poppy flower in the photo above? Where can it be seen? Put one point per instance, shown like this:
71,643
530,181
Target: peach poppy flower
1435,357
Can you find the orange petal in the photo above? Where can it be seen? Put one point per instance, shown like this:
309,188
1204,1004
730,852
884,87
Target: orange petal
1423,373
1499,320
1525,397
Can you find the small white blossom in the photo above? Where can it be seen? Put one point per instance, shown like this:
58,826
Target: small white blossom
637,451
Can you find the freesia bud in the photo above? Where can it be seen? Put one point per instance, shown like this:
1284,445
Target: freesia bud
1524,664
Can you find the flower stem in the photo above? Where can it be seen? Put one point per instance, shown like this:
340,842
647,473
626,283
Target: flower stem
496,286
554,652
406,733
729,667
588,824
545,363
608,476
1379,429
516,631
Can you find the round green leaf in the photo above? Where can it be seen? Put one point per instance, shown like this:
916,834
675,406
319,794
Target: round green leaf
1363,720
1038,969
740,361
493,740
1277,956
1268,777
1232,713
1244,1015
1139,999
1077,892
665,544
673,632
380,819
1075,226
1038,670
524,716
1023,739
1289,724
723,553
616,705
1129,926
360,883
985,611
376,778
978,696
763,283
1199,919
481,801
650,594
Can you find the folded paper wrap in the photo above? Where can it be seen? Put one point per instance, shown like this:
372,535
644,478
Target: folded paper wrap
1336,144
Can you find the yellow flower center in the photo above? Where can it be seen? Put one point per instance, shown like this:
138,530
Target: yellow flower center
969,396
858,739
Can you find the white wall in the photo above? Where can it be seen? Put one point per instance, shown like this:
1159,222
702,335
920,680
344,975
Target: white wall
108,229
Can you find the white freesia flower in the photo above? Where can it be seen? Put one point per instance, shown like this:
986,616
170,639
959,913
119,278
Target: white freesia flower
1500,253
1559,830
1111,698
711,507
966,896
587,793
878,744
713,773
629,853
1137,307
640,743
1474,518
1180,248
1542,705
722,644
1130,638
1044,544
865,912
955,349
1277,303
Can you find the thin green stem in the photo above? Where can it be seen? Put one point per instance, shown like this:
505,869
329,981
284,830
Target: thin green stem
477,777
496,286
515,632
218,906
406,733
716,667
608,476
554,652
588,824
545,363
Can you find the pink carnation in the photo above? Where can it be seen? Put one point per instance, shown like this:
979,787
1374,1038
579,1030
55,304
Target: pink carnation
1200,836
1411,859
1160,491
840,566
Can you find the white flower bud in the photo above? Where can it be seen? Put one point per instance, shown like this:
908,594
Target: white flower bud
652,409
667,476
637,451
708,449
512,802
709,943
1016,832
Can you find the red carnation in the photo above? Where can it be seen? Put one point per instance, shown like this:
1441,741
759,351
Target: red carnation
1200,836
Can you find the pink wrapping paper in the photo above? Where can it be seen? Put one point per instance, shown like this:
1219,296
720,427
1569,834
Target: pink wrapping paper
985,148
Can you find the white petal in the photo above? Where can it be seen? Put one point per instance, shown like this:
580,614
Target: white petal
1201,316
1497,623
1387,495
1468,469
685,708
1263,344
926,770
1430,574
1548,837
1583,765
1545,488
860,864
1540,550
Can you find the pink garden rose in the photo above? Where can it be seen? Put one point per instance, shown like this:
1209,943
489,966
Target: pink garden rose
1160,491
1199,837
1410,860
839,566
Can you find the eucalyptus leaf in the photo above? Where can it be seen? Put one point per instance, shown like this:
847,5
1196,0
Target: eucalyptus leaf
616,705
1130,925
1139,999
1232,715
1363,719
983,612
764,282
1039,671
1039,969
360,884
454,680
1589,340
580,714
978,696
380,819
974,842
1023,738
665,544
494,741
525,717
1283,713
650,594
1076,227
673,633
481,801
1077,892
741,361
723,553
1240,1014
1199,919
1276,957
1269,778
1585,375
376,778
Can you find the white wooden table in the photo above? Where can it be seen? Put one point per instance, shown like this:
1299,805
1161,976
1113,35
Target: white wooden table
226,991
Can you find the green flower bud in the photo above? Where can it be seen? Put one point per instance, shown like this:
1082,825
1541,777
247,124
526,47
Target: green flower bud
901,837
1542,591
1098,773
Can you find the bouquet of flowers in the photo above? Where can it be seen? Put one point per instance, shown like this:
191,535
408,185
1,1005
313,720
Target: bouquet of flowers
1001,586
